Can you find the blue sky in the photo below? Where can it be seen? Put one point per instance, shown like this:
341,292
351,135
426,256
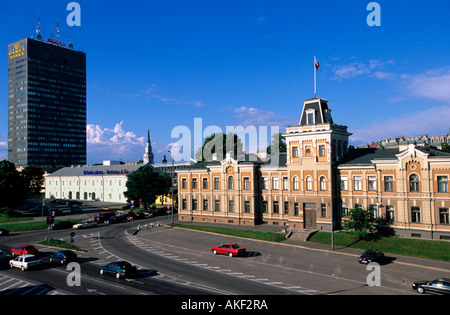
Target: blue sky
160,64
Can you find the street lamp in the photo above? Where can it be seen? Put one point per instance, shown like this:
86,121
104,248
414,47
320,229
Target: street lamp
173,171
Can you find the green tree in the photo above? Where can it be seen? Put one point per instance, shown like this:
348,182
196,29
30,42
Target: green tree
13,189
278,142
145,184
34,178
220,144
359,221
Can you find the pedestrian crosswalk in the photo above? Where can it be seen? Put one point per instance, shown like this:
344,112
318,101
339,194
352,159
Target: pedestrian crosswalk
15,286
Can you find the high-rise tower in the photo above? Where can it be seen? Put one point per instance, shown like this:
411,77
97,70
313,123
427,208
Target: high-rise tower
46,104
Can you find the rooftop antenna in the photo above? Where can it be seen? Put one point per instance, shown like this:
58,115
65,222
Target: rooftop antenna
38,29
57,31
70,43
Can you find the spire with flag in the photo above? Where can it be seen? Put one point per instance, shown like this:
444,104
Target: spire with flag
316,68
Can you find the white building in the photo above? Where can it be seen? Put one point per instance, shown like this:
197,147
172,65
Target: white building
102,182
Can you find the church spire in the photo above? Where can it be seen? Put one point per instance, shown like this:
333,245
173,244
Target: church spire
148,155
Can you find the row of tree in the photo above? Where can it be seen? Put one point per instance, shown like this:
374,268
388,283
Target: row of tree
16,186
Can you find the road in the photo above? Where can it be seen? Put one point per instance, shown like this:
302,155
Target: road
174,261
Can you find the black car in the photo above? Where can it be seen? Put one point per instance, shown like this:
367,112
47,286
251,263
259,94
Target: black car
62,225
119,269
3,257
4,232
63,257
371,255
440,286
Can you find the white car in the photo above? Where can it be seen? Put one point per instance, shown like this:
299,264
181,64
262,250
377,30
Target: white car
85,224
25,262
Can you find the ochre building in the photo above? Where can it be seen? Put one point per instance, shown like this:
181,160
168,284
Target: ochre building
319,179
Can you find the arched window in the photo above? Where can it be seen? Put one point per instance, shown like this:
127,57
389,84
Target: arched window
230,182
295,181
323,183
414,183
309,183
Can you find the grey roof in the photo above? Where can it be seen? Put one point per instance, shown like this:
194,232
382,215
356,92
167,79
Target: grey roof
96,170
366,155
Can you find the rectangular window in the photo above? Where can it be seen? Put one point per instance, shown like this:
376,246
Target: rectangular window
205,204
276,207
389,183
372,181
194,204
373,211
415,214
183,183
296,208
205,183
443,216
321,150
344,210
323,210
286,207
442,184
183,204
246,206
216,183
310,118
344,183
217,205
390,213
231,206
246,183
285,183
357,182
294,152
275,183
265,208
264,183
194,183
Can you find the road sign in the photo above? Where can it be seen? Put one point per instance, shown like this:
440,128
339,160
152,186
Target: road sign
72,234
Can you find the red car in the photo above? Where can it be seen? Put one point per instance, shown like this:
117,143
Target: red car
24,250
230,249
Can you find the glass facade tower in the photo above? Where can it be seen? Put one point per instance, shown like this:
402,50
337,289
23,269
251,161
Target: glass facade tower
46,104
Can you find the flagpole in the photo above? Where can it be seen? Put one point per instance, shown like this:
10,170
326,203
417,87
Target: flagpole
315,79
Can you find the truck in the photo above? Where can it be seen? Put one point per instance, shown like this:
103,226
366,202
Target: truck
25,262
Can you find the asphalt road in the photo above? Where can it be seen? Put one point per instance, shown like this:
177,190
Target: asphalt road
173,261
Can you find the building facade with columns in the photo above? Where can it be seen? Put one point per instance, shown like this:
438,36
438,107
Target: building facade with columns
319,179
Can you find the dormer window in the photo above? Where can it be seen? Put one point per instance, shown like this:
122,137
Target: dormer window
310,117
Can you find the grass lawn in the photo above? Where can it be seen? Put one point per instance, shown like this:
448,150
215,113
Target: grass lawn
437,250
264,236
61,244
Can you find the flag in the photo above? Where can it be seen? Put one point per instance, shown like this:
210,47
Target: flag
316,63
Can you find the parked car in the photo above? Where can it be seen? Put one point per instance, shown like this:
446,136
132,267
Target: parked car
4,232
25,262
371,255
3,257
230,249
439,286
76,210
115,219
38,209
24,250
62,225
63,257
103,216
85,224
119,269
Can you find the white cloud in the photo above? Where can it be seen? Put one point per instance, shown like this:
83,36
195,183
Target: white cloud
115,143
356,69
250,116
429,121
434,84
3,150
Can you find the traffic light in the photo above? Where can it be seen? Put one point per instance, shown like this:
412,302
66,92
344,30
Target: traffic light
51,217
